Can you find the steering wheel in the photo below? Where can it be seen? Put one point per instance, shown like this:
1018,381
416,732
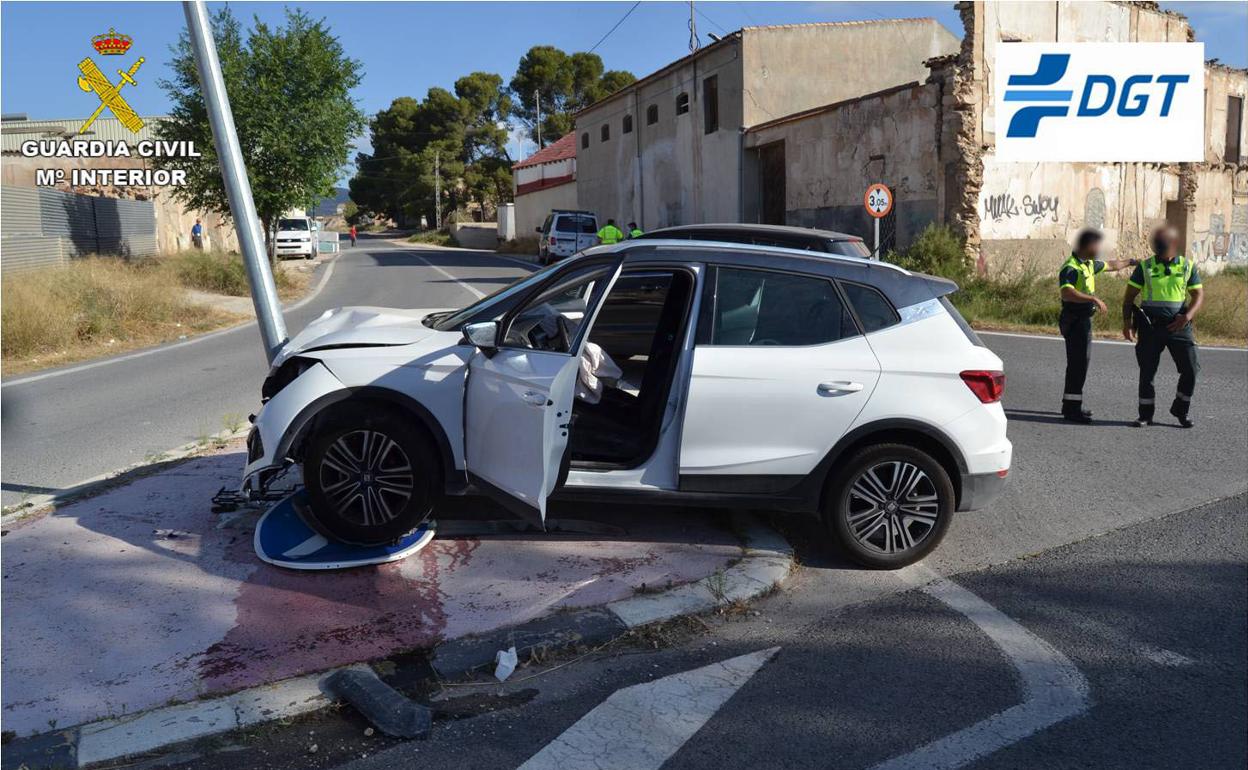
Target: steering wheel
765,341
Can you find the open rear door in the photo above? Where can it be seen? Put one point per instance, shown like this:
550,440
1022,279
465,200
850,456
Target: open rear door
518,398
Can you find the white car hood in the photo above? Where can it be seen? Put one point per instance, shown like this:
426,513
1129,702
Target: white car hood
349,326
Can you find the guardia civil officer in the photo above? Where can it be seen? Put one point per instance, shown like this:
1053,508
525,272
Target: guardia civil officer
1170,297
610,233
1076,281
634,231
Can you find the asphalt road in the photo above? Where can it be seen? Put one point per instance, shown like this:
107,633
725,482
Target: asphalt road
1100,556
81,422
1150,619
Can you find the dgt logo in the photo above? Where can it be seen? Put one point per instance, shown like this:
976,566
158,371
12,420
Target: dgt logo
1100,101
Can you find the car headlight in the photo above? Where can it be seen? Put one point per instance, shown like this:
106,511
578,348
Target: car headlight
285,374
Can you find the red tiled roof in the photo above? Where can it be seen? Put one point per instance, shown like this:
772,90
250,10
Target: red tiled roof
563,149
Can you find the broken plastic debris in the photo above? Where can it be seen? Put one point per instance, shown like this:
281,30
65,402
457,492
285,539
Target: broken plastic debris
506,663
380,703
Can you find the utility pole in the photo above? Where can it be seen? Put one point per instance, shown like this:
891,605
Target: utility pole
437,187
537,99
237,188
693,30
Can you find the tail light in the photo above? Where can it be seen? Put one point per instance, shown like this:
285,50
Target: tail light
988,387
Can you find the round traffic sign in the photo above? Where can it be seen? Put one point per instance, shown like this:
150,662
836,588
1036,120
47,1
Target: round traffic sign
878,200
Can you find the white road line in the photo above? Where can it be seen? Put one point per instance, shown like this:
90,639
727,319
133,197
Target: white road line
166,348
641,727
1157,655
474,291
1053,689
1057,338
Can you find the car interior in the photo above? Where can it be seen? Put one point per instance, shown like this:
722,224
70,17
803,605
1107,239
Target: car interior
640,327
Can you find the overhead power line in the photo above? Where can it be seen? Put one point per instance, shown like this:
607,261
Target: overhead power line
617,26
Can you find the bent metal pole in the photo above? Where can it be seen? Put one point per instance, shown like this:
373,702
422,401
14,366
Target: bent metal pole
237,188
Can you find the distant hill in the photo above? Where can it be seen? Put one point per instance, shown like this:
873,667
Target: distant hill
327,207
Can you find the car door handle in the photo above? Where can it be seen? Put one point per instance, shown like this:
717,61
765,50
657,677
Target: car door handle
534,398
840,387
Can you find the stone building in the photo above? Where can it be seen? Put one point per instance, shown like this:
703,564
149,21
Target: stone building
932,141
544,181
667,149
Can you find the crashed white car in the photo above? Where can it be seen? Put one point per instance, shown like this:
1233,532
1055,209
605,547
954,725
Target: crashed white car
743,376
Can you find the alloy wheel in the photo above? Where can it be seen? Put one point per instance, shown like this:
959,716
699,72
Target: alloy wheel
892,507
366,477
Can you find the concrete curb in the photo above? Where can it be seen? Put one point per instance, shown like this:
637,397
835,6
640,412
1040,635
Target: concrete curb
97,484
766,561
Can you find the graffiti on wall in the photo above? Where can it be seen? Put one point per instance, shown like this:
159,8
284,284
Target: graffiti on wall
1035,207
1222,244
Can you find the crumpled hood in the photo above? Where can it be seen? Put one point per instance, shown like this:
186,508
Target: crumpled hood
364,326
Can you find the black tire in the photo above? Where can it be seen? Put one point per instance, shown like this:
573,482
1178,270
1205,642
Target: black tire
348,499
878,517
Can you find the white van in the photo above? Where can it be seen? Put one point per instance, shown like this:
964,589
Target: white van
296,237
565,233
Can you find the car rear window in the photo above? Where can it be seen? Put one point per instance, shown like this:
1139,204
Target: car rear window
874,311
761,308
849,248
575,224
292,224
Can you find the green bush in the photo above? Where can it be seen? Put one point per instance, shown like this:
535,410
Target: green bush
938,250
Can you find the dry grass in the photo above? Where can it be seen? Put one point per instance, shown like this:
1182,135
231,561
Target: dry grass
1031,303
526,245
92,307
104,305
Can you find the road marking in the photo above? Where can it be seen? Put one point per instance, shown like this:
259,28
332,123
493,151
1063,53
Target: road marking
1157,655
165,348
1054,690
1057,338
641,727
474,291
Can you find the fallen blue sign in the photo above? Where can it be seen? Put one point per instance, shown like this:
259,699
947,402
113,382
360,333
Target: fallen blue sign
282,538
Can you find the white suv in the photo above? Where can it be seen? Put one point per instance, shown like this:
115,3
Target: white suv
745,376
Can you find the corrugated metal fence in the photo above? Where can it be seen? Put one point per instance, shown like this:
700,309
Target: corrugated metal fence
44,228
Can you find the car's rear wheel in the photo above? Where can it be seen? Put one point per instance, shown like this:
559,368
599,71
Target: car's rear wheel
371,478
889,506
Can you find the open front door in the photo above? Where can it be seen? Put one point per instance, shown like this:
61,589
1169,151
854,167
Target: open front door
518,399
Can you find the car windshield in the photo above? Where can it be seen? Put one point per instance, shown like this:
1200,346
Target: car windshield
451,322
292,224
575,224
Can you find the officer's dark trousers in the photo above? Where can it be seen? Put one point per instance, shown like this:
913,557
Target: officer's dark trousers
1077,331
1148,348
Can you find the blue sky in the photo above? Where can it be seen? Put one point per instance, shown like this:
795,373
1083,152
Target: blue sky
408,47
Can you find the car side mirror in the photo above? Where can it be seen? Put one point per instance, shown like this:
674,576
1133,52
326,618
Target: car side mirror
483,335
537,229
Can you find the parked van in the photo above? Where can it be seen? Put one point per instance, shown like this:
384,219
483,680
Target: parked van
565,233
296,237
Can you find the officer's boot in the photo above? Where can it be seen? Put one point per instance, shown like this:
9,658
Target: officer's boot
1074,411
1146,413
1179,409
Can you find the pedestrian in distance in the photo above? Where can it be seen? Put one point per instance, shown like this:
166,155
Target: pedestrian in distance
1076,281
353,234
634,231
1170,295
197,235
610,233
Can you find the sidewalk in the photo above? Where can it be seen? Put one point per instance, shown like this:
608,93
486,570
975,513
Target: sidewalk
141,597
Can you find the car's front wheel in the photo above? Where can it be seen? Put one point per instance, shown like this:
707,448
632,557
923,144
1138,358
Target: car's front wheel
890,506
371,478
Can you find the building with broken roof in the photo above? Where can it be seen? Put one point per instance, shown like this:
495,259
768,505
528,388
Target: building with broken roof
667,149
804,118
